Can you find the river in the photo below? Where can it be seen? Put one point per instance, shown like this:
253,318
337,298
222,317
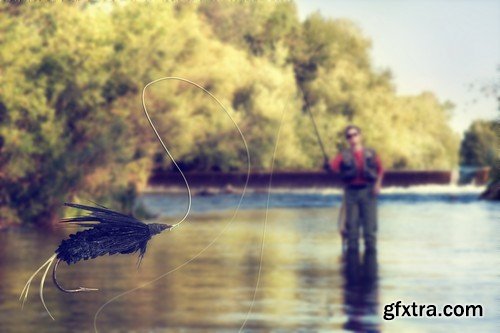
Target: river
437,246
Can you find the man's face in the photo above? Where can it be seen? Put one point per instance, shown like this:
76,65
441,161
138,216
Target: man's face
353,137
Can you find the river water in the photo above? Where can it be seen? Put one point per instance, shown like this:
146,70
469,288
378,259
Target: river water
437,246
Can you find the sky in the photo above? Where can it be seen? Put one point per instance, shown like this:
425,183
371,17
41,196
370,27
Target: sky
443,46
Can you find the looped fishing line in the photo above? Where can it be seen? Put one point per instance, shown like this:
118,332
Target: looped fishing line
187,186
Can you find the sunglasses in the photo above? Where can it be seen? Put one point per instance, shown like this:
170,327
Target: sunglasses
351,135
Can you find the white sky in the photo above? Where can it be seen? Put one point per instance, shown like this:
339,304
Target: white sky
438,45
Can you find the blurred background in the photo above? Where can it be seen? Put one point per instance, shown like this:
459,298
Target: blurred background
419,78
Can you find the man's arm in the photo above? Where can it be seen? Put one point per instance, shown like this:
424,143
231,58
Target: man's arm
334,164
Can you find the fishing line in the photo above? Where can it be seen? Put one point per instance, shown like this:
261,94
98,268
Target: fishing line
188,188
265,224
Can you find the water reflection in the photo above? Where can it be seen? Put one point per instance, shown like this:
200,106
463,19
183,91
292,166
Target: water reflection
305,286
360,289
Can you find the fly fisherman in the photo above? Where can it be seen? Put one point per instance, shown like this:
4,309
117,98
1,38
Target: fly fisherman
361,170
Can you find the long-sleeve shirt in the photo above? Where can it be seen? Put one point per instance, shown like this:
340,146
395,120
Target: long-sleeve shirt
359,161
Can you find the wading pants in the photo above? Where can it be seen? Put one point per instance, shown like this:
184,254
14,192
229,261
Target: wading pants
361,212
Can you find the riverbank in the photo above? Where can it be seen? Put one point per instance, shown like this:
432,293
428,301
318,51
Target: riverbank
492,192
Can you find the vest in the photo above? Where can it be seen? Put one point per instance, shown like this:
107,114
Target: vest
348,170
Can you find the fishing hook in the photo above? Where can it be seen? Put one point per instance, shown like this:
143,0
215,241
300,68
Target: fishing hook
61,288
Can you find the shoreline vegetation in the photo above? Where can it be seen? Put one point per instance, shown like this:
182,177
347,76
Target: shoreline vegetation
492,192
71,121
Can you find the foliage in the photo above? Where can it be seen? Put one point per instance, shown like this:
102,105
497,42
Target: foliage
71,78
479,146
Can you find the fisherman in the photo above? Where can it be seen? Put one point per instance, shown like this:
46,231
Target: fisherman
361,170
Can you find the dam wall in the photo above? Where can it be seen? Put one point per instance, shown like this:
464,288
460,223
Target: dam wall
288,179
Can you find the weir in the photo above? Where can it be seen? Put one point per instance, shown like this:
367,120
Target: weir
229,181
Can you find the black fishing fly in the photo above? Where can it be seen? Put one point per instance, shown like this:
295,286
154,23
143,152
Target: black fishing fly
108,232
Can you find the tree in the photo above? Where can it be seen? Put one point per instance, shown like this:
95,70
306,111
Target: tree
71,77
479,146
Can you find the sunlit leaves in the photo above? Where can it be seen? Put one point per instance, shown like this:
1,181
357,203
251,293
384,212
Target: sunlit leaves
71,77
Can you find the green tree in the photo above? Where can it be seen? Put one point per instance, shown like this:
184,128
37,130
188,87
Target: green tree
479,146
71,77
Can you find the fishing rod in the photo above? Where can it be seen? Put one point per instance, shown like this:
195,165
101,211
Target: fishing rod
341,220
325,156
